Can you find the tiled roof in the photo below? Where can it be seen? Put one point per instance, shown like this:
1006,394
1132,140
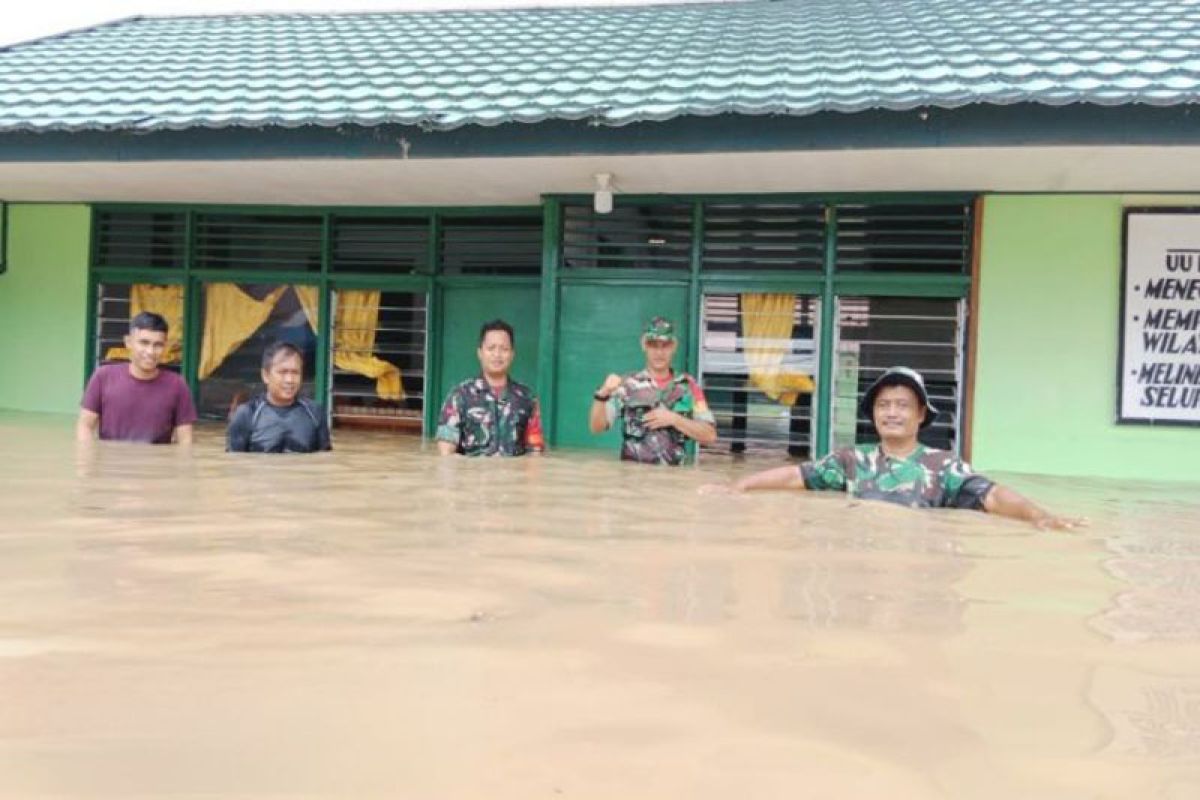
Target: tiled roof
610,65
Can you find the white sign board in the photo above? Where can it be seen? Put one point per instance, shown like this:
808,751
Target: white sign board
1159,376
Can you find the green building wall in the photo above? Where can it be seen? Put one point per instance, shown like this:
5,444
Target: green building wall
42,297
1045,381
1046,367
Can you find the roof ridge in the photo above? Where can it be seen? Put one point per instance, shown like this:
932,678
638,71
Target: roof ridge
112,23
452,6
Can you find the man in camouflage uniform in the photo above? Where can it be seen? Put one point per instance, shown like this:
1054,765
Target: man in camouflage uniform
900,469
491,414
659,409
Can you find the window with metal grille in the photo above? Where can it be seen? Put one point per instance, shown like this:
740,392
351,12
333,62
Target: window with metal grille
632,236
781,236
380,245
875,333
258,241
491,246
759,373
913,238
394,398
140,239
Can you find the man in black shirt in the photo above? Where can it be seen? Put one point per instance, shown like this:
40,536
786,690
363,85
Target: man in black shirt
279,421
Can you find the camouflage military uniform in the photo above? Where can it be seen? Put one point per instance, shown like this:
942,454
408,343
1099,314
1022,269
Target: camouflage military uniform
640,392
928,478
479,423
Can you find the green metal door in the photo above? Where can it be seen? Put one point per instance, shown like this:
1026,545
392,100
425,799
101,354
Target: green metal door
600,332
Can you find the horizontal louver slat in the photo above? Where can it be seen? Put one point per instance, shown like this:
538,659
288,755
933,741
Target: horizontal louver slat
258,241
137,240
648,236
380,245
763,237
928,239
492,246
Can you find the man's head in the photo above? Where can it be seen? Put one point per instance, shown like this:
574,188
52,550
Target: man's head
497,347
282,372
659,344
898,404
146,342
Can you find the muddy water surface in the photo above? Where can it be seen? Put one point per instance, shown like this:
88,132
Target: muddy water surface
378,622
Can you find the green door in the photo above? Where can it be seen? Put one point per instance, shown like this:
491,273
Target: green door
600,332
465,309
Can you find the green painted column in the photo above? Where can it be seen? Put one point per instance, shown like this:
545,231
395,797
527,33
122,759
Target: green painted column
828,321
43,307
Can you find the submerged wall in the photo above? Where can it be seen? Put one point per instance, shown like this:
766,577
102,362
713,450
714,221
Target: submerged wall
42,297
1046,374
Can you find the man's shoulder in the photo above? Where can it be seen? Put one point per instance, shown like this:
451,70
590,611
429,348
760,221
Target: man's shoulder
106,373
468,387
521,390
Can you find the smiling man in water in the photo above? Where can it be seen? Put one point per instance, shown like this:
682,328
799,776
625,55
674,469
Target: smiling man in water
491,414
138,402
659,409
900,469
279,420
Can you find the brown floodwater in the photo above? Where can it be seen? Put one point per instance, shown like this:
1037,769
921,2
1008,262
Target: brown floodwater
379,622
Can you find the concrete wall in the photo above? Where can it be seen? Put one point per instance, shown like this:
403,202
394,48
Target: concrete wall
1045,388
42,308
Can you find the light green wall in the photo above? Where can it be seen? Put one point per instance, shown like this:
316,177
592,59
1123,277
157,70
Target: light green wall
1045,383
42,300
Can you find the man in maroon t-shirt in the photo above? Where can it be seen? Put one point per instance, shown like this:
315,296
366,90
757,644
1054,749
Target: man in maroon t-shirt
138,402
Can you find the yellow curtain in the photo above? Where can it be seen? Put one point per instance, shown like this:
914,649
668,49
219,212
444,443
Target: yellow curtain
767,325
354,337
166,301
230,317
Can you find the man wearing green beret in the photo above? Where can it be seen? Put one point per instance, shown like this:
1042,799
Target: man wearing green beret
658,409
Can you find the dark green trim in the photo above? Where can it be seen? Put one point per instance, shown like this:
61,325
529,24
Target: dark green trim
387,283
435,309
872,284
810,282
695,307
323,384
193,306
4,237
828,322
972,125
548,322
487,280
649,277
798,198
398,212
323,387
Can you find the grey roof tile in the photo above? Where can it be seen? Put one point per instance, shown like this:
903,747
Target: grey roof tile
609,65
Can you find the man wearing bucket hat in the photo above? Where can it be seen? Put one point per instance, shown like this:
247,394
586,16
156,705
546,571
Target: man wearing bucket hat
659,409
900,469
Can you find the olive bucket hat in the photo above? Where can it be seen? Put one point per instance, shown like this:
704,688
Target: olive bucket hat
899,376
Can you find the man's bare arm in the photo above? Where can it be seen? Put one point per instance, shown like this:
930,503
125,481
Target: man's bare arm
86,425
785,477
183,435
1009,503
